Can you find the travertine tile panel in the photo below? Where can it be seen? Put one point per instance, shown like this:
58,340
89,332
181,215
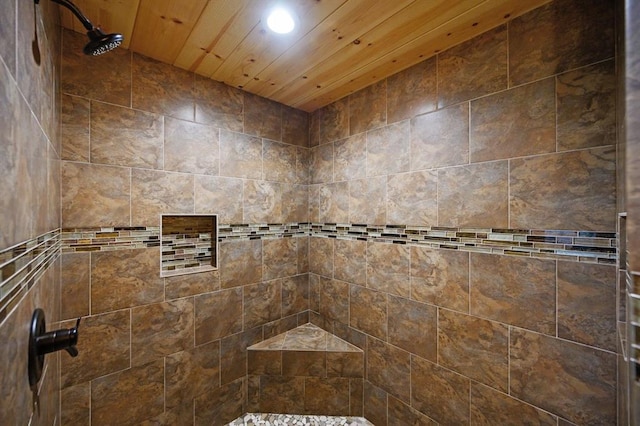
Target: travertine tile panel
191,284
233,354
221,196
304,363
240,263
514,291
388,149
388,268
279,161
262,117
474,196
334,300
334,202
490,407
321,165
326,396
295,203
263,202
75,128
350,261
218,104
474,68
412,92
95,195
191,147
279,258
162,88
191,373
535,51
514,123
334,121
305,338
411,198
367,200
281,394
576,382
368,311
240,155
295,126
138,279
350,158
541,196
295,294
402,414
126,137
303,165
75,404
474,347
413,327
262,303
314,203
389,368
218,315
587,107
154,192
321,256
74,285
368,108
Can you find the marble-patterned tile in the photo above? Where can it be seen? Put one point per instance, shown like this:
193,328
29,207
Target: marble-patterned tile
280,258
262,303
389,368
162,88
233,354
307,337
126,137
111,395
161,329
388,149
218,315
74,285
514,291
154,192
105,78
474,68
192,372
334,300
304,363
295,126
368,108
221,196
220,406
75,128
413,327
281,394
587,107
375,404
440,277
321,256
334,121
191,284
240,263
75,405
573,381
350,158
262,117
541,196
411,198
334,202
350,261
326,396
402,414
295,294
262,202
440,392
587,304
474,347
321,163
103,348
440,138
138,282
474,196
94,195
191,147
218,105
536,52
240,155
388,268
412,92
490,407
279,162
368,311
367,200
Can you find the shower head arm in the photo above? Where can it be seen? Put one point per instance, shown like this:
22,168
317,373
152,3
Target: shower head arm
74,9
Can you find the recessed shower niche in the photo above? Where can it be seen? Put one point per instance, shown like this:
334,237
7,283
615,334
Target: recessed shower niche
189,244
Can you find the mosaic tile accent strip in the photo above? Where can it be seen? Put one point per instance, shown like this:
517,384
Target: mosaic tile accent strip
22,265
295,419
187,244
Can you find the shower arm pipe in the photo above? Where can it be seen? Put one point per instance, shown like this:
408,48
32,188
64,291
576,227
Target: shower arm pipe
74,9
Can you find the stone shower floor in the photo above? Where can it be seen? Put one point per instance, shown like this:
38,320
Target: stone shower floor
265,419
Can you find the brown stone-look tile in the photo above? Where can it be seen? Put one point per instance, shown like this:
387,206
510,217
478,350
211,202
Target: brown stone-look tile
282,325
440,138
303,254
181,415
240,155
221,406
587,304
191,284
262,117
221,196
262,303
94,195
75,128
75,405
368,311
191,147
240,263
514,291
314,292
321,256
161,329
375,404
401,414
253,394
536,51
541,196
304,363
295,126
334,300
350,261
411,198
126,137
474,68
350,158
514,123
303,165
314,203
334,121
280,258
305,338
474,196
345,364
576,382
412,92
218,105
104,78
8,25
413,327
218,315
294,203
334,202
586,107
389,368
474,347
74,285
233,354
295,294
367,200
281,394
279,161
263,202
441,393
356,397
368,108
191,373
440,277
388,268
388,149
138,279
262,362
314,128
154,192
490,407
321,163
326,396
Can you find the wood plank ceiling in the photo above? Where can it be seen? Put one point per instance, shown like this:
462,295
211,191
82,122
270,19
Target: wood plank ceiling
337,48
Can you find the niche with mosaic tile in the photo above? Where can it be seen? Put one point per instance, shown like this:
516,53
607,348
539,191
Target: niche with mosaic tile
189,244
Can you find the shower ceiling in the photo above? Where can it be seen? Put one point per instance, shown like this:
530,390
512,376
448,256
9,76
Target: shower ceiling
338,46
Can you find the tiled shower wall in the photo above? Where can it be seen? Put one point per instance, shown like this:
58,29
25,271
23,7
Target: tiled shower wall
29,202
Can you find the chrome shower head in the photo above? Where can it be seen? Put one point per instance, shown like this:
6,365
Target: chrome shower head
100,43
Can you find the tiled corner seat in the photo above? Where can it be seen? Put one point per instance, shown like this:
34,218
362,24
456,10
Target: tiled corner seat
306,371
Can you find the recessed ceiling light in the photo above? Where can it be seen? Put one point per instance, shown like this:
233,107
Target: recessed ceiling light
280,21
